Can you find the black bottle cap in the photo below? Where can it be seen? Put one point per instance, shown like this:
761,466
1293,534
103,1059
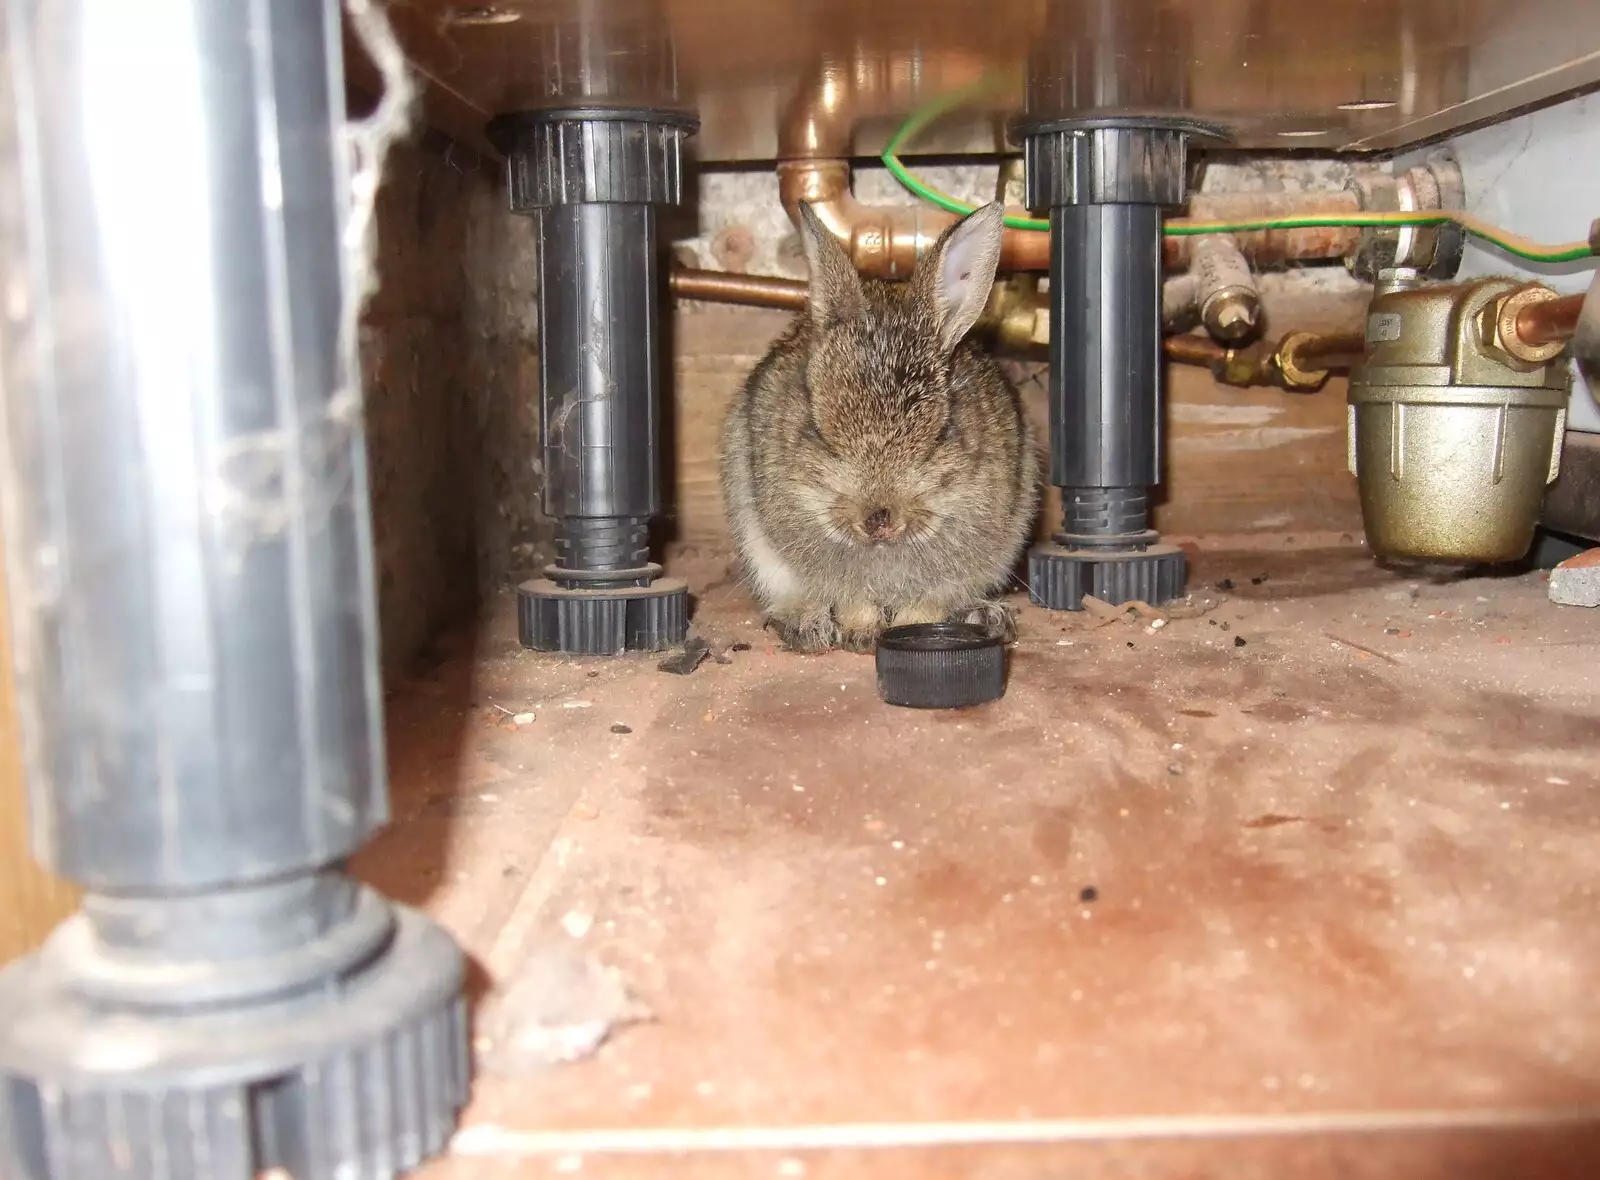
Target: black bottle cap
940,666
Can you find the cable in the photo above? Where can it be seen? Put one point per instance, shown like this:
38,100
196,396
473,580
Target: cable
1521,247
1182,227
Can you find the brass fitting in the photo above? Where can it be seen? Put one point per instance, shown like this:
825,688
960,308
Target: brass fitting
1435,251
1299,363
1019,320
1229,302
1246,367
1010,188
1452,437
885,241
1230,314
1498,326
1304,359
1291,372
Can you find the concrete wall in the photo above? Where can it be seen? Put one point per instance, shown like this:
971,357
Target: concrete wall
449,354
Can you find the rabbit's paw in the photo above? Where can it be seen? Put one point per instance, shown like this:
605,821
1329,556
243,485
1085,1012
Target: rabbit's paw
922,612
808,632
996,619
859,626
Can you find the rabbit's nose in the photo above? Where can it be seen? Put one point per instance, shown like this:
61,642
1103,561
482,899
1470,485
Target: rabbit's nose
880,524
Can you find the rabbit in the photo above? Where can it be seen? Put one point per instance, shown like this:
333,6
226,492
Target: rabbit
878,468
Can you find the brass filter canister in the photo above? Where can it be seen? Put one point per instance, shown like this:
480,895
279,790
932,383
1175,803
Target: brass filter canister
1451,437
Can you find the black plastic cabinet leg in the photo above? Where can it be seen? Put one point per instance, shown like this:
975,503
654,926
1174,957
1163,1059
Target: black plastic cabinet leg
1105,181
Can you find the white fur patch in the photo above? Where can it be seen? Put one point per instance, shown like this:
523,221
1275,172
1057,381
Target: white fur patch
775,581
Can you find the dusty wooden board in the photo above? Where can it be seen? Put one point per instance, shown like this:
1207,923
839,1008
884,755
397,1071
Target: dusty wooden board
1335,837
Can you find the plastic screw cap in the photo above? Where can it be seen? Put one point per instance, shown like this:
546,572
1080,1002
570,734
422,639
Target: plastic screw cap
940,666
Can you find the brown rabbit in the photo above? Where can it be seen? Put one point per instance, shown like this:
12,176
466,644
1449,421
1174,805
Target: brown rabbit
878,468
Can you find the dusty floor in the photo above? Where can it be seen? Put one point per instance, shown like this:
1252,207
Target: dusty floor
1304,887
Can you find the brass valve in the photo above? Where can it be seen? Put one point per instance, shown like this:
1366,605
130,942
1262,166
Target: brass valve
1455,421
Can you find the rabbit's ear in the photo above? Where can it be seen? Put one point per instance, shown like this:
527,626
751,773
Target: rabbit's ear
957,274
835,287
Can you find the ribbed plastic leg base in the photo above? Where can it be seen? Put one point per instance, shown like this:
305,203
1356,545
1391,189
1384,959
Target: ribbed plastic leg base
359,1082
602,622
1059,578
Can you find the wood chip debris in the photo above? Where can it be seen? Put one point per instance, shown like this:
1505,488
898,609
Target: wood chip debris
687,658
1361,647
1137,611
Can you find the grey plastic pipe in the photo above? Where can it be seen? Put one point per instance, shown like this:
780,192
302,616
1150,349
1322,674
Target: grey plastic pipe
190,561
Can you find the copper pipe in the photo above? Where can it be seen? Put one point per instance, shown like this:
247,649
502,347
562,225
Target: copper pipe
1254,364
1301,361
712,286
1319,353
1251,365
886,241
1274,245
715,286
1551,321
1011,313
820,123
815,143
1189,349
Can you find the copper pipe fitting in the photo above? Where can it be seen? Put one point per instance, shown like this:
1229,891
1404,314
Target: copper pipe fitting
1300,362
820,123
1314,355
815,143
1549,321
886,241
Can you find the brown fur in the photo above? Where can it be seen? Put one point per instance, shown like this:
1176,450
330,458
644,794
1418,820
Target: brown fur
873,401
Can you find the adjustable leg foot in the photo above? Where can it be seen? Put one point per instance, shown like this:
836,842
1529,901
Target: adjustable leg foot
603,622
1058,578
114,1075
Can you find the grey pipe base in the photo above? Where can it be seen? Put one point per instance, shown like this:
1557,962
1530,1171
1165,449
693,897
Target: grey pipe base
604,621
1058,577
362,1080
